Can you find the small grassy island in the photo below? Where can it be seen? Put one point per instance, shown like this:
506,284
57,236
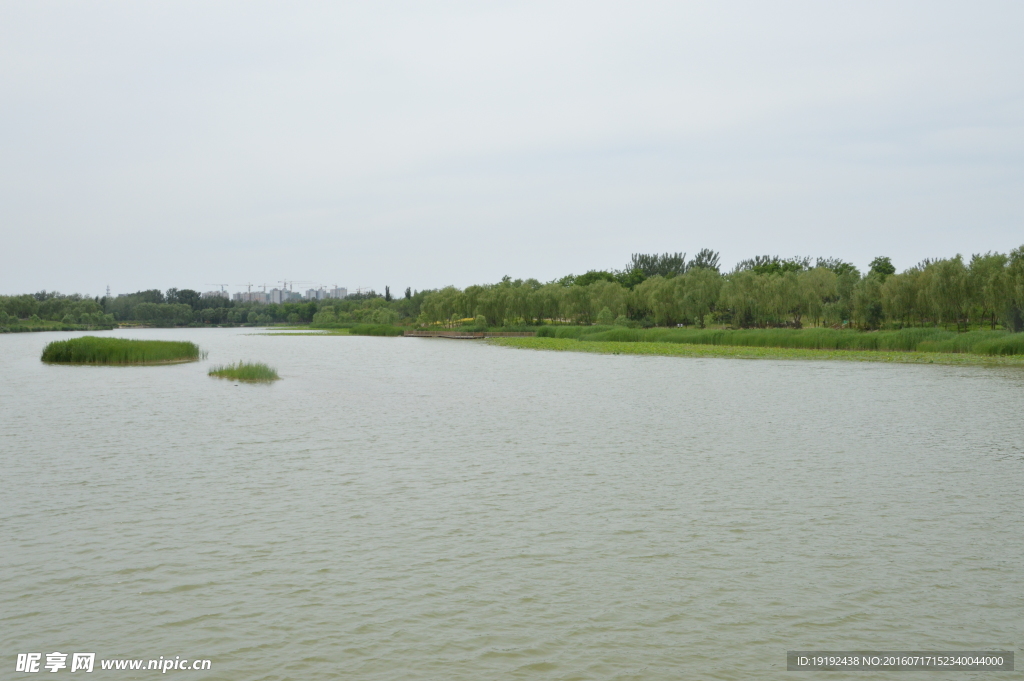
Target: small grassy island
119,351
249,372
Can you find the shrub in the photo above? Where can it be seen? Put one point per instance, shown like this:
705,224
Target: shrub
384,316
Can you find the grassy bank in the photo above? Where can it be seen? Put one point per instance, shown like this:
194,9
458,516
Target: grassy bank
119,351
983,342
250,372
750,352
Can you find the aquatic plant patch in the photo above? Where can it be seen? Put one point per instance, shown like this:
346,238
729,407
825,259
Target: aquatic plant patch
119,351
249,372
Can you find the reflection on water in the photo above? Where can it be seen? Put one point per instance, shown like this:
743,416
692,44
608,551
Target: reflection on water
413,508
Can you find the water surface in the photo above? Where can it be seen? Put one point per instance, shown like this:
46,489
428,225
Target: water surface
431,509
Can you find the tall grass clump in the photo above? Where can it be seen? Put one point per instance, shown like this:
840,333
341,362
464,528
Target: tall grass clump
1009,344
570,331
375,330
119,351
250,372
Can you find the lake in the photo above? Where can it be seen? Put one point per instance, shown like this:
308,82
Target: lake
434,509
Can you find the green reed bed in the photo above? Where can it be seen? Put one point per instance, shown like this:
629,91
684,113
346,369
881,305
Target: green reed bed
905,340
249,372
119,351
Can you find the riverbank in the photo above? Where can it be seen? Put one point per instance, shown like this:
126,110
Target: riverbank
746,352
23,326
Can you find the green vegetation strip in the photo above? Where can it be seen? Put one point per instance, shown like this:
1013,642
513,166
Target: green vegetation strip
250,372
119,351
747,352
982,341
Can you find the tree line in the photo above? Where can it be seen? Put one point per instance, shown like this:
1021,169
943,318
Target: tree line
185,307
667,289
760,292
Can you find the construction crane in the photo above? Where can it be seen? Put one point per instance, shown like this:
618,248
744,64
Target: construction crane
287,285
291,283
223,287
248,286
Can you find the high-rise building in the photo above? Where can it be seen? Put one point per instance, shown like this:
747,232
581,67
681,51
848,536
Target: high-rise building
338,292
252,297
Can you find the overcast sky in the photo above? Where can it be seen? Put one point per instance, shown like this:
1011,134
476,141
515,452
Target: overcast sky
190,144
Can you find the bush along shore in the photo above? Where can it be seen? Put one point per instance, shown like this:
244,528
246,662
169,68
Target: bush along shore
119,351
248,372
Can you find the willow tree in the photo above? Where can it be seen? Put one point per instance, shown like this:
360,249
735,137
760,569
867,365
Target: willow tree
900,296
443,306
985,276
817,288
948,290
744,295
867,301
577,305
703,287
660,296
1013,288
608,294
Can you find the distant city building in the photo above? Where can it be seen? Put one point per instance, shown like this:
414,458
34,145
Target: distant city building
252,297
338,293
214,294
277,296
316,294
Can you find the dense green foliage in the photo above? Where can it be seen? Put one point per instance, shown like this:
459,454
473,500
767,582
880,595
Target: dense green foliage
375,330
249,372
765,292
47,311
926,339
185,307
94,350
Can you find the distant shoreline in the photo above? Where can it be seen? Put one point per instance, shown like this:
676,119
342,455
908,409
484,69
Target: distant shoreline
746,352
